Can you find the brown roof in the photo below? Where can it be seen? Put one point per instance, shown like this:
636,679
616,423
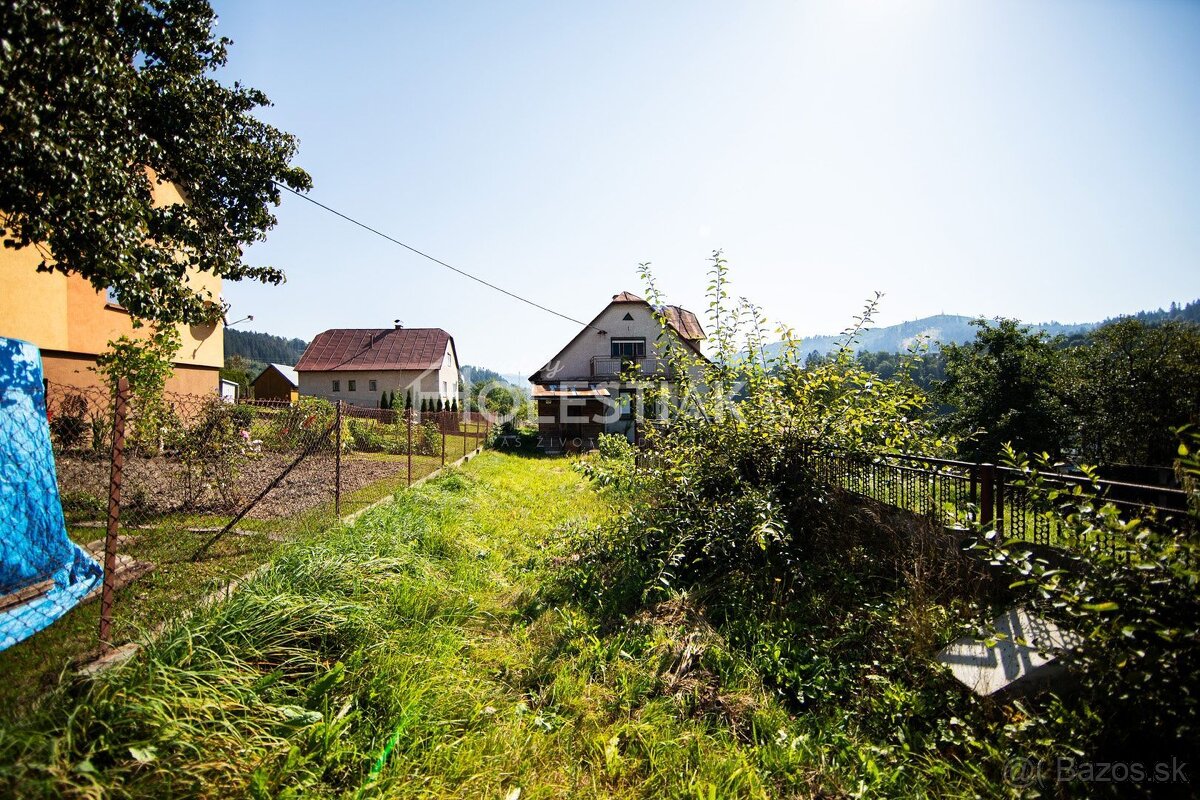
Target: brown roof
375,349
683,321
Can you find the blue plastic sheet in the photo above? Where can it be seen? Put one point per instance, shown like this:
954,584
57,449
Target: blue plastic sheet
35,544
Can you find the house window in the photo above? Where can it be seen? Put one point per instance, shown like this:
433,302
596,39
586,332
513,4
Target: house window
337,386
351,386
628,348
371,387
112,298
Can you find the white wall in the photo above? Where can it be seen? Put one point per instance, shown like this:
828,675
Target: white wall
575,362
425,384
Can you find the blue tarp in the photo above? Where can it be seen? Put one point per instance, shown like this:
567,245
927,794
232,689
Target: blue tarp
35,546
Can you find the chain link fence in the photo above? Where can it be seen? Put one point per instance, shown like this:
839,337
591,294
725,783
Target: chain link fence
178,496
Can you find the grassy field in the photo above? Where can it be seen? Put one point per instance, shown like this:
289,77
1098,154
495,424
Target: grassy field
422,653
177,582
409,654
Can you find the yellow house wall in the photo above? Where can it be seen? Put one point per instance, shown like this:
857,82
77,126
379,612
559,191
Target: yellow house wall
72,323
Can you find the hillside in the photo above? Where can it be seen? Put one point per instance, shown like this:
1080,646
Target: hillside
263,348
957,329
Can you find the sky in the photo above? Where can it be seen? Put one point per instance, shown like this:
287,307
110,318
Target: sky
1036,160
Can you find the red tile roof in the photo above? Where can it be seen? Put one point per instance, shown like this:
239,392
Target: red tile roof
375,349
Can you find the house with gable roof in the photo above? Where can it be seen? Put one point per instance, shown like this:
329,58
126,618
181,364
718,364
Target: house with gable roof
358,365
594,384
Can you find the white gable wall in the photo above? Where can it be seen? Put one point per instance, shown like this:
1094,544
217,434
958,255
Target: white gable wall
575,361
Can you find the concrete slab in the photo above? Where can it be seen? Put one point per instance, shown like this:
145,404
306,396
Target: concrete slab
1025,657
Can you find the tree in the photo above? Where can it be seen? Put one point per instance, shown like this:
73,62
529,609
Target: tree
100,99
237,369
1131,384
1004,388
408,400
383,401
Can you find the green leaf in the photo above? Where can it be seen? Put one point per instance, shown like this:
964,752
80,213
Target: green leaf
1100,607
143,755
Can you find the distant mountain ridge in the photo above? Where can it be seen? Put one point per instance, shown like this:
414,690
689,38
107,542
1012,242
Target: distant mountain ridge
957,329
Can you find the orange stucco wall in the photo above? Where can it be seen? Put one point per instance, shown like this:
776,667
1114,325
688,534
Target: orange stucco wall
71,322
69,369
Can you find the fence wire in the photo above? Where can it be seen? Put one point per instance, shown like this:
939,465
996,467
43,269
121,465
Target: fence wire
208,491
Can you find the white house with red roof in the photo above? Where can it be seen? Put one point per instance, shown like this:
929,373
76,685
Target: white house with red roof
359,365
594,384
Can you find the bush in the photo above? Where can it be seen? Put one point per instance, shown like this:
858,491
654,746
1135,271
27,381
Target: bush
1129,588
512,437
298,427
365,436
71,422
731,497
212,451
368,436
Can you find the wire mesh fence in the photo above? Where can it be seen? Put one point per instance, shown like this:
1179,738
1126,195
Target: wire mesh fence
168,499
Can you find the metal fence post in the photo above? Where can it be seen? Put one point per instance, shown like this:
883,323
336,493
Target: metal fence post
442,425
409,424
987,485
462,421
114,515
337,469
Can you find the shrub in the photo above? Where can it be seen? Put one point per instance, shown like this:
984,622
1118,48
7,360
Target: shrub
365,436
513,437
300,424
68,426
211,451
1129,588
731,497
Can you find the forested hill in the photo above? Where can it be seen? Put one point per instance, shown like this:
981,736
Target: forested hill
1187,313
263,348
957,329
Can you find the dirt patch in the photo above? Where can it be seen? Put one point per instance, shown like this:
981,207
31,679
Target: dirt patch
155,486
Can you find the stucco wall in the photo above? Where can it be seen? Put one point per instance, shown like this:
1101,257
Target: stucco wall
575,361
424,383
65,314
70,369
432,384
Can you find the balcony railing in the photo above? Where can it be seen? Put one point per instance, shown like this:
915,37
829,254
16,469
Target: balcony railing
615,366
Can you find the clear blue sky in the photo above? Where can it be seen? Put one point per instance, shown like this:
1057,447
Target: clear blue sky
1039,160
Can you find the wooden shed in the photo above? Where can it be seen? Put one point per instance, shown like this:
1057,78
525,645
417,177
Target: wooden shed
277,382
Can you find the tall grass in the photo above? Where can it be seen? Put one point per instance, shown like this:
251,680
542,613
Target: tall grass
411,654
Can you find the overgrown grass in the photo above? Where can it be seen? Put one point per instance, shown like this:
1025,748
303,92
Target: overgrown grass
431,650
177,582
409,654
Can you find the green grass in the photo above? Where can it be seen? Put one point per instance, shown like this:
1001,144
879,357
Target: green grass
177,583
411,654
421,653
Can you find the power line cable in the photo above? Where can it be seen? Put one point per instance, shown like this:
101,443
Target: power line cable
438,261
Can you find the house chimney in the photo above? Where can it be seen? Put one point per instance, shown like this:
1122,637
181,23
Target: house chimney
398,324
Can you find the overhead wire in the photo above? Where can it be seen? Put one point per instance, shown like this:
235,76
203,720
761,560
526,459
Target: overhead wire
437,261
